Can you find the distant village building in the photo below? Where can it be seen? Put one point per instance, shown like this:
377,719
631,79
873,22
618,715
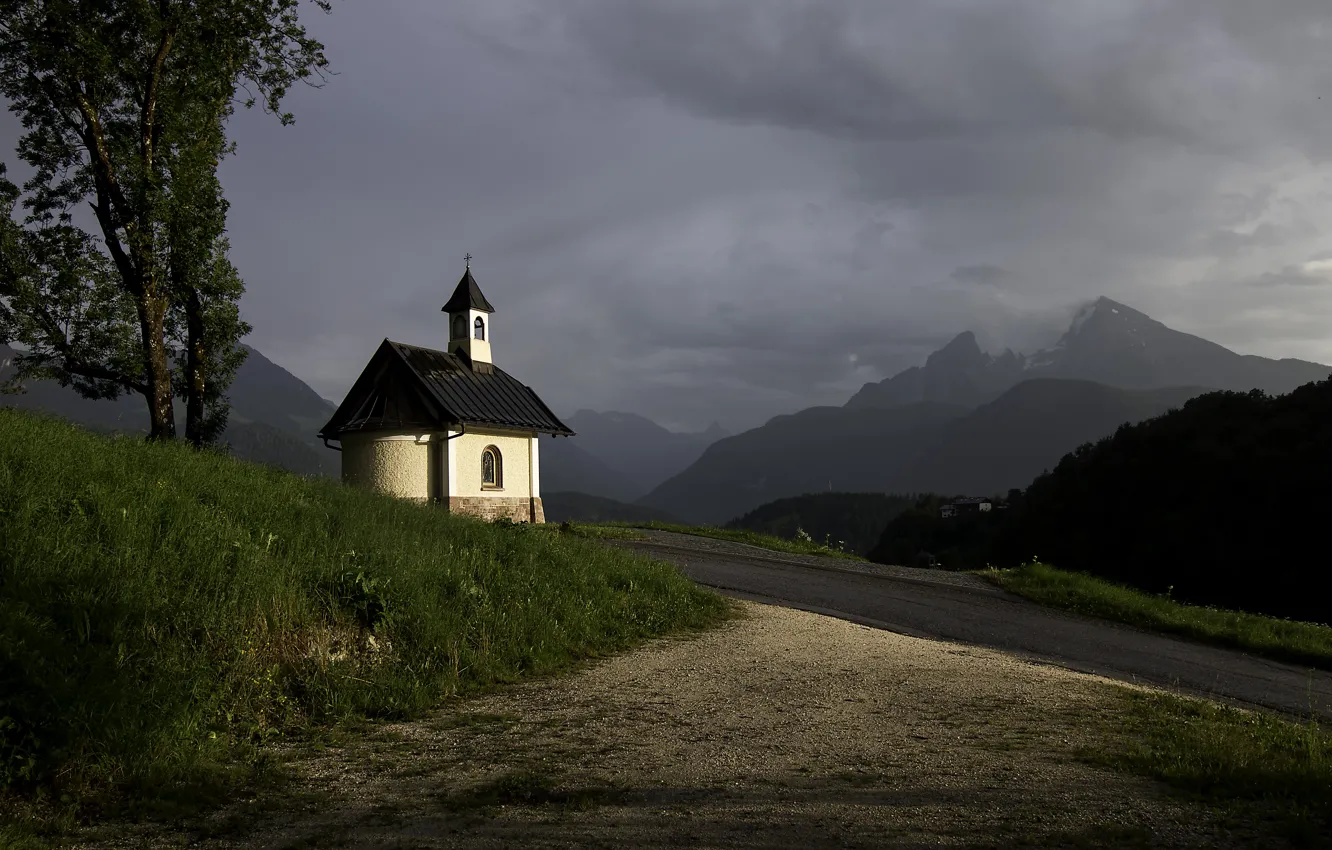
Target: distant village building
447,426
965,506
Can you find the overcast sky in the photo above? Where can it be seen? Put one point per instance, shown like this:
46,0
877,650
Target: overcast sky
726,210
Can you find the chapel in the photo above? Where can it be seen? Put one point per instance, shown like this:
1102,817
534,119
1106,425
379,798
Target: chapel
447,426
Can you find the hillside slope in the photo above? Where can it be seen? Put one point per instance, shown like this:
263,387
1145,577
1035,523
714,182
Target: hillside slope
166,613
1008,442
820,449
273,420
568,468
636,447
911,449
853,521
567,506
1223,502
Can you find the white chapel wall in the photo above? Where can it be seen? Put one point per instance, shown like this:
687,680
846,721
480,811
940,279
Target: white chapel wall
396,464
515,453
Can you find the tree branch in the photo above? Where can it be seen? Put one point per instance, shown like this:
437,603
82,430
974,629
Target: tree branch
149,111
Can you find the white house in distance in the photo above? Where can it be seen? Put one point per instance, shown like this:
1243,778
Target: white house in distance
447,426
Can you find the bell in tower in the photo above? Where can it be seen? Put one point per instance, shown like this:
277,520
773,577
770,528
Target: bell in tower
469,321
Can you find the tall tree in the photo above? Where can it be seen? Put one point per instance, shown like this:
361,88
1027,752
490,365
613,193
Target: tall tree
124,104
205,288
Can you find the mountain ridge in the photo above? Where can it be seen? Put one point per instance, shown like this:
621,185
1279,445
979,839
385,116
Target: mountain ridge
1013,416
620,455
1107,342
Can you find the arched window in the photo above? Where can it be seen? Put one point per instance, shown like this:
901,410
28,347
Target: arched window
479,328
459,327
492,468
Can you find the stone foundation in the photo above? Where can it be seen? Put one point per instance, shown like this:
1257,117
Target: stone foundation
516,508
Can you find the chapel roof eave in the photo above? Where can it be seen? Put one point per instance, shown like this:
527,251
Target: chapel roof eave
434,389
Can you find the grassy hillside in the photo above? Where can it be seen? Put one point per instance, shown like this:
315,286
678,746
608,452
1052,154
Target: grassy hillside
273,418
164,613
1284,640
853,521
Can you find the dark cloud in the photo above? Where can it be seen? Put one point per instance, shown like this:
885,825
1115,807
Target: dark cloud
983,274
699,210
1308,275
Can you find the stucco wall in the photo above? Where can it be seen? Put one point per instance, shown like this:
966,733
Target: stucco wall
396,464
400,465
515,455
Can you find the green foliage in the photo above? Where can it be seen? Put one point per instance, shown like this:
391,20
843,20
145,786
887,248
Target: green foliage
922,537
1282,640
751,538
166,613
1253,762
60,299
124,107
849,521
1224,500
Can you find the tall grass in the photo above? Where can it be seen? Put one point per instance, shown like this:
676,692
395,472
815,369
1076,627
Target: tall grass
1262,767
1281,640
165,612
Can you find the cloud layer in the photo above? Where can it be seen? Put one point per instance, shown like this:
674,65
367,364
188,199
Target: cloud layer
699,210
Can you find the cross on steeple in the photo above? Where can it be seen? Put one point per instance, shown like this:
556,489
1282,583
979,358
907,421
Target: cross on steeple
468,259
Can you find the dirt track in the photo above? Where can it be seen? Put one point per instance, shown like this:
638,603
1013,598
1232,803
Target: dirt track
782,729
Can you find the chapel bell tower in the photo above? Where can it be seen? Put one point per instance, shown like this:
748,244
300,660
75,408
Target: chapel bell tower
469,321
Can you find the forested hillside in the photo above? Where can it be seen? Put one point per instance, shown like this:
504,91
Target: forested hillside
851,521
1222,502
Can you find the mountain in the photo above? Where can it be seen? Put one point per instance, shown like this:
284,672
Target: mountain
1108,343
265,392
566,467
638,448
1011,440
958,373
273,420
821,449
916,448
580,507
125,413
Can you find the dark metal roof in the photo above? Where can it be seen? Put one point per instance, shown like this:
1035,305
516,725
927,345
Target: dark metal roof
407,386
467,296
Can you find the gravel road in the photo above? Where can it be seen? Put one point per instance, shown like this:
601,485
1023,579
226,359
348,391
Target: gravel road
966,609
781,729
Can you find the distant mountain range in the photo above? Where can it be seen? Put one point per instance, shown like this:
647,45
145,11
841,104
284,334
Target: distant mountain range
970,423
619,456
274,414
1108,343
580,507
965,422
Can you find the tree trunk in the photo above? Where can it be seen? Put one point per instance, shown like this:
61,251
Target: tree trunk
195,358
152,324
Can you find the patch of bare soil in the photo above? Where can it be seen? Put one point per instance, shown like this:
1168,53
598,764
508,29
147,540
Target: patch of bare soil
782,729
